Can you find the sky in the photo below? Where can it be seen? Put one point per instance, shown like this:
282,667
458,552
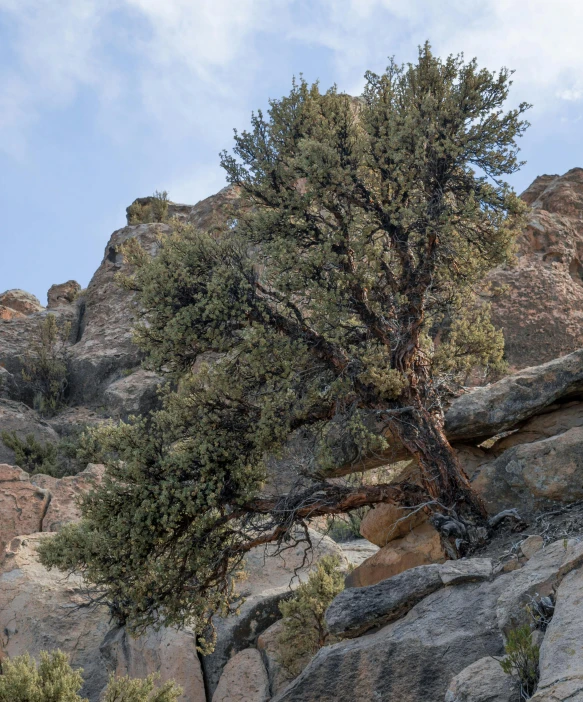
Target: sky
103,101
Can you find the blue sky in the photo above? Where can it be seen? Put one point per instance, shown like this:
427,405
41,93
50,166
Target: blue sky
103,101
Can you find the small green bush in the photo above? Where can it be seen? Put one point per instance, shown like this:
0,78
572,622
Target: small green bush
304,629
131,690
345,527
31,455
53,680
149,209
45,366
522,660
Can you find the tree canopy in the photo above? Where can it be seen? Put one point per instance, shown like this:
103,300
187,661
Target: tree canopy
339,299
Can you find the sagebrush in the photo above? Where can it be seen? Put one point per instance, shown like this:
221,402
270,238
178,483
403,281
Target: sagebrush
304,629
45,365
54,680
150,209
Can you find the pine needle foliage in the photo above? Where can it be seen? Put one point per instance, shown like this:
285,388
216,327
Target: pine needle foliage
31,455
364,226
304,629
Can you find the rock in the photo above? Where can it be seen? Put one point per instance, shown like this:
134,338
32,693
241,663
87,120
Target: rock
483,681
561,654
528,476
420,547
43,610
22,505
104,348
383,523
21,301
6,313
269,579
267,643
531,545
410,660
17,417
244,679
355,610
356,552
64,493
169,652
63,294
492,409
538,577
136,393
541,311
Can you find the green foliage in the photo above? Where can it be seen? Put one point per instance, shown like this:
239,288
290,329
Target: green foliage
522,659
45,366
67,457
345,527
363,225
303,626
149,209
131,690
52,680
31,455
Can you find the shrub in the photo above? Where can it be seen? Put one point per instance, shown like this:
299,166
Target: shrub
149,209
522,660
45,366
131,690
345,527
304,629
53,680
31,455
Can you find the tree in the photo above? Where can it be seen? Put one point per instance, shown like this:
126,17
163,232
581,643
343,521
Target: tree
364,230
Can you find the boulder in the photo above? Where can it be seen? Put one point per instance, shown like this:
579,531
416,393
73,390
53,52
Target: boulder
541,310
135,393
64,494
358,609
386,522
529,476
268,579
421,546
44,610
531,545
561,653
483,681
22,505
20,301
412,659
169,652
492,409
244,679
356,552
268,644
17,417
62,294
539,577
6,314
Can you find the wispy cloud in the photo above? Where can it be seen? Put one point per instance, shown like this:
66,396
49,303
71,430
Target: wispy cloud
186,64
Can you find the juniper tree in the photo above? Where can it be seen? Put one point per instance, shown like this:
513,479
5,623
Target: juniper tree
338,302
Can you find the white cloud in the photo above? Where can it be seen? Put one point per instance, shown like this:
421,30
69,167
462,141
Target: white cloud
187,65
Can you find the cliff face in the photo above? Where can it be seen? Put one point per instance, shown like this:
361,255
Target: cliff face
541,312
422,645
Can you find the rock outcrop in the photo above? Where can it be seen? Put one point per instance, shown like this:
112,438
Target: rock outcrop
20,302
244,679
541,312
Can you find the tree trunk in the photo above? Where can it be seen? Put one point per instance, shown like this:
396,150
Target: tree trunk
442,475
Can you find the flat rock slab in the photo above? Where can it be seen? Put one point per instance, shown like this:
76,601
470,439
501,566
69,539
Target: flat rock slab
358,609
410,660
